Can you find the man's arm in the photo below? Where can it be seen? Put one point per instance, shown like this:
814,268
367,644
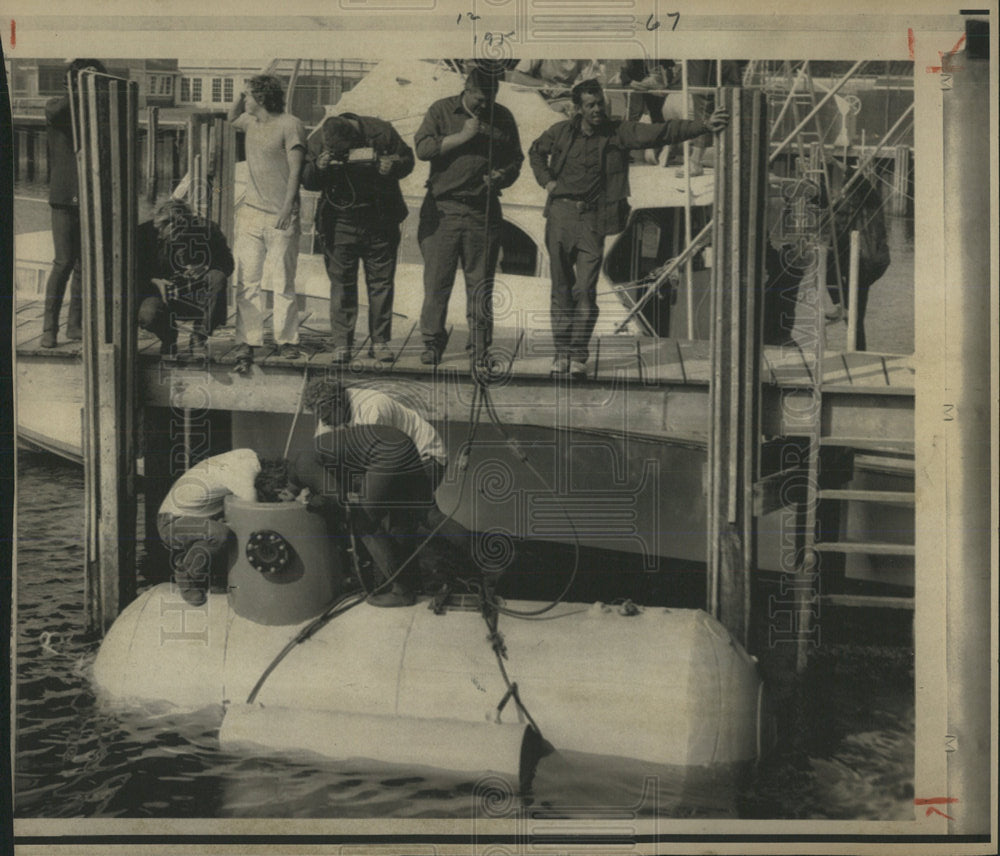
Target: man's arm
639,135
402,166
312,171
296,157
57,110
236,108
430,139
511,158
538,157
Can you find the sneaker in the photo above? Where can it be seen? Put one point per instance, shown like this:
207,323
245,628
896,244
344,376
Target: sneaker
577,369
48,339
430,357
560,366
380,351
288,351
398,595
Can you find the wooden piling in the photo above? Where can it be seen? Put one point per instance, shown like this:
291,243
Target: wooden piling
734,430
105,122
152,152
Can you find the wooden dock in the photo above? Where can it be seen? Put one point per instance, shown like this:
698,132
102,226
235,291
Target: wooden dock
655,388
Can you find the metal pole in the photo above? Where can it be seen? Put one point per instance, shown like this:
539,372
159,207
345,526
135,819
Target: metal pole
852,292
688,269
830,93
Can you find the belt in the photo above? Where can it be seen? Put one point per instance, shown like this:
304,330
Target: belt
578,205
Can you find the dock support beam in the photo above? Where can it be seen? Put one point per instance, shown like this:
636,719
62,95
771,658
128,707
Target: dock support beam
105,122
739,234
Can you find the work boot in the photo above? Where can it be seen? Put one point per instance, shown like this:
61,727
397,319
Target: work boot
49,339
244,359
430,357
577,368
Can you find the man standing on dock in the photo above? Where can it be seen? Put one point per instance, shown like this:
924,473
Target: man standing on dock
583,165
475,152
356,162
64,201
267,225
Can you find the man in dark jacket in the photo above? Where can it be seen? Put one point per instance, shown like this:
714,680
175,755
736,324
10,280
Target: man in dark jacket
474,152
182,263
357,162
65,204
583,164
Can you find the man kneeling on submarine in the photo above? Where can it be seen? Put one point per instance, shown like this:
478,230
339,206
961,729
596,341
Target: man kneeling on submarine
375,475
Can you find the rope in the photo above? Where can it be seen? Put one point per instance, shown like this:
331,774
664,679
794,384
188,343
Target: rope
298,410
499,646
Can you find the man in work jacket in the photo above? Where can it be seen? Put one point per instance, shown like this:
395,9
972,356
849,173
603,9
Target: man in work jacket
357,162
583,164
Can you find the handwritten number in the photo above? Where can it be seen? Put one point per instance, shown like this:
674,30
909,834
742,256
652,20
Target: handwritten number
677,17
949,415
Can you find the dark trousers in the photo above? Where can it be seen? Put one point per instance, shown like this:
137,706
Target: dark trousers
375,471
450,232
576,249
347,242
66,244
194,542
194,302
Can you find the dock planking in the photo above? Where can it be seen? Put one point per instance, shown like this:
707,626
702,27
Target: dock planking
528,354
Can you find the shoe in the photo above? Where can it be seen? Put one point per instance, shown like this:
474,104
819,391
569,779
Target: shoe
560,366
244,360
74,334
430,357
48,339
380,351
288,351
398,595
198,345
342,354
835,314
577,369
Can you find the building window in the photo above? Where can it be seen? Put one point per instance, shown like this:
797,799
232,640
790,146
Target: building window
216,90
185,89
196,89
51,80
228,90
161,84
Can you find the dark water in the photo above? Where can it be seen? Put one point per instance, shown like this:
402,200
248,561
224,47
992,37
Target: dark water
845,734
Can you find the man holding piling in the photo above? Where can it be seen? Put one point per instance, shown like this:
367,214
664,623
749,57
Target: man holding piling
474,152
583,165
64,201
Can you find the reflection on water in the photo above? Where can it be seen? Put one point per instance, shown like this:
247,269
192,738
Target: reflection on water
847,747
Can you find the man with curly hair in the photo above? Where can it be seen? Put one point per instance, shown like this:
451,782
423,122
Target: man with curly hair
267,225
182,265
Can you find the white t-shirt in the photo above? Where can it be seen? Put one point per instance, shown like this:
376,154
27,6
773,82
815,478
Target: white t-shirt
200,492
371,407
267,146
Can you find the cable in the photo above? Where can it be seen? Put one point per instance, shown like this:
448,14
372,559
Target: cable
333,611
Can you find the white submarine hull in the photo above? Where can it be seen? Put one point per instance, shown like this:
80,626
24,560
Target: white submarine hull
666,686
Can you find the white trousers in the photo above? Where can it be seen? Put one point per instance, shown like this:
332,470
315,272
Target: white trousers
266,259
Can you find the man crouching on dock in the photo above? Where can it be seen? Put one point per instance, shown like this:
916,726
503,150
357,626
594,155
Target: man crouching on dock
182,265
